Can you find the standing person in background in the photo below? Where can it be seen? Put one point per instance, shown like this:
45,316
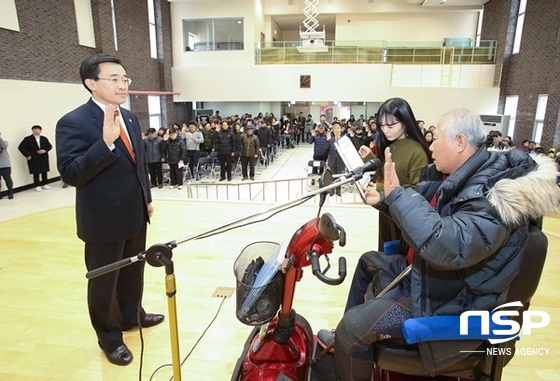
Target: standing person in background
249,153
265,139
225,144
6,168
320,148
99,151
193,138
357,136
429,136
154,147
334,161
371,134
35,148
300,129
422,126
175,154
207,134
309,125
399,130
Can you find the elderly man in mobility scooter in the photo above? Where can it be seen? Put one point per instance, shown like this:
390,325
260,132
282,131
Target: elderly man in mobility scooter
466,226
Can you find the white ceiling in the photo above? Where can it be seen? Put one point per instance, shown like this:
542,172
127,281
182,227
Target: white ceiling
282,11
293,22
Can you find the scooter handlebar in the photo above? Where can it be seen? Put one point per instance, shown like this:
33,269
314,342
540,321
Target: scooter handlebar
316,269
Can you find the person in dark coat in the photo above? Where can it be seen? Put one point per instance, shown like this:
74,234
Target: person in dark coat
155,155
99,151
175,153
320,148
334,161
249,152
466,240
226,145
35,148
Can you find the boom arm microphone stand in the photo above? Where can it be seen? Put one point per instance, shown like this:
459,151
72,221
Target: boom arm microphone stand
160,254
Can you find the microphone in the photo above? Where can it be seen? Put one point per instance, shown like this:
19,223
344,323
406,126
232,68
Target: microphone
358,173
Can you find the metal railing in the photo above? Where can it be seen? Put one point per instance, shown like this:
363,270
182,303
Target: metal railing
380,52
271,191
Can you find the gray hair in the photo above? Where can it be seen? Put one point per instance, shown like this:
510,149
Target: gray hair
465,122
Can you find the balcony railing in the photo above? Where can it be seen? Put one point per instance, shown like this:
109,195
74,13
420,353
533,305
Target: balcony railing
379,52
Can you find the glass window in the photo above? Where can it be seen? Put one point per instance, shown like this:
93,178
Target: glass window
84,23
479,27
114,20
152,28
539,117
8,15
510,109
519,27
154,111
213,34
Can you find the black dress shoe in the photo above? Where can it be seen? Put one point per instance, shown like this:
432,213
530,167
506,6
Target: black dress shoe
149,321
120,356
152,319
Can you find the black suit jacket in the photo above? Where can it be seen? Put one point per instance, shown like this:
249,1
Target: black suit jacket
39,163
112,191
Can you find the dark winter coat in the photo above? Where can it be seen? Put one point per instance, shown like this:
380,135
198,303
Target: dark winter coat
208,142
154,149
265,136
320,140
250,145
39,163
469,248
224,142
175,150
358,140
334,161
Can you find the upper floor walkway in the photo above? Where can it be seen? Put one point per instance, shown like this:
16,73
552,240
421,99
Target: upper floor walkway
374,52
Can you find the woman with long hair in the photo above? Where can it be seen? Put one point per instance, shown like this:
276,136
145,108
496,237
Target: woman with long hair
397,129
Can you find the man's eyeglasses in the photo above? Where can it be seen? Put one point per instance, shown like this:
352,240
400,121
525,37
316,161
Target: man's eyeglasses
114,80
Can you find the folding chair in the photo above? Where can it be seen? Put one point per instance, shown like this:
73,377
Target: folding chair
215,170
187,174
319,166
204,167
262,161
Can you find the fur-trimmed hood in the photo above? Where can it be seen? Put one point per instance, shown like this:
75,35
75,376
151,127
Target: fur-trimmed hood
530,196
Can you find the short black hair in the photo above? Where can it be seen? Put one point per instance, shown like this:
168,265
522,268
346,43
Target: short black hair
90,66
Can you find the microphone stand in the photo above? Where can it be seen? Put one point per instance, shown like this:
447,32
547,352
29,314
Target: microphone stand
160,254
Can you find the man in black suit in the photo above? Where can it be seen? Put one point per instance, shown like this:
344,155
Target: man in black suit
35,148
99,151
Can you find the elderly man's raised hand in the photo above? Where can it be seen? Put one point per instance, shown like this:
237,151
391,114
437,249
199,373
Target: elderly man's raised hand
390,178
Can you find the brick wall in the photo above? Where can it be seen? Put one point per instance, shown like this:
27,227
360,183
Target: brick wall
46,47
535,70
